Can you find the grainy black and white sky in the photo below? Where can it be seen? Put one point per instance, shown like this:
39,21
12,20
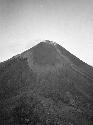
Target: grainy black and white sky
23,23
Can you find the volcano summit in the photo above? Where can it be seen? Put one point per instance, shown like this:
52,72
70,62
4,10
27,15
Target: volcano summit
46,85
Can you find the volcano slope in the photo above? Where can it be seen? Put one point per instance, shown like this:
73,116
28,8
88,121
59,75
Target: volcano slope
46,85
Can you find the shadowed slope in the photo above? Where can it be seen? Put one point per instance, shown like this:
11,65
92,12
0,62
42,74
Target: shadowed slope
45,54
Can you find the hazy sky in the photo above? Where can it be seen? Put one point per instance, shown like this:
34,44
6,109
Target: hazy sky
23,23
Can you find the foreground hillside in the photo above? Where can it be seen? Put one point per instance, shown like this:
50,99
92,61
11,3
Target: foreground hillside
46,85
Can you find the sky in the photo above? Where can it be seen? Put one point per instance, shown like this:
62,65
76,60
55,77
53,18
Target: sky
24,23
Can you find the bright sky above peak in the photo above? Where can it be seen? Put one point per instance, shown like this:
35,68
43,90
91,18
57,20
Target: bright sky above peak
24,23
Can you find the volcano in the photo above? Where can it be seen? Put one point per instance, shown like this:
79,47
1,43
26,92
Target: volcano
46,85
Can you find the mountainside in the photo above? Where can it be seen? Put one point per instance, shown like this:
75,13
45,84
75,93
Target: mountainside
46,85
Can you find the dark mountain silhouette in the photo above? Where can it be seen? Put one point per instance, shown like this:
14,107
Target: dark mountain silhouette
46,85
